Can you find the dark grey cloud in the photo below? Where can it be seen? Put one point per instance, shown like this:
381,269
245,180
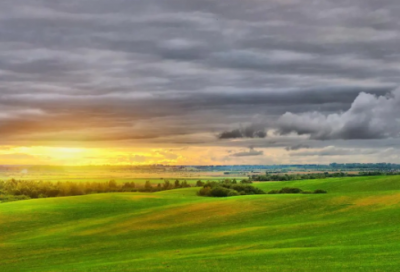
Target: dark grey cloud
297,147
251,131
251,152
175,71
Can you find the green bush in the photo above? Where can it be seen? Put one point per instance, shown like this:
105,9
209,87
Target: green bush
248,189
205,191
319,191
225,189
288,190
219,192
234,193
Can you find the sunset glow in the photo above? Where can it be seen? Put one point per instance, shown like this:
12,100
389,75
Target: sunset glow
185,84
199,135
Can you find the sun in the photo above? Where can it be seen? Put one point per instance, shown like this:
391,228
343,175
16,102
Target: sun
60,155
68,154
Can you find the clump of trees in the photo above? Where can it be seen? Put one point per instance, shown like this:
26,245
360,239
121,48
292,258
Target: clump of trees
25,189
40,189
289,190
288,177
228,188
166,185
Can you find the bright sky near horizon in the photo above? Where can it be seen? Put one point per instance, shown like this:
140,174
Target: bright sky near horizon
199,82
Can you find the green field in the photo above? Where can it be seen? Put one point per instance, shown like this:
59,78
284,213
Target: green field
355,227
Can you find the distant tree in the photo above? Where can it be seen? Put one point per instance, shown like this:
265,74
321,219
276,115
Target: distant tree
288,190
167,185
74,189
223,189
219,191
227,181
205,191
128,186
233,193
147,186
185,184
112,185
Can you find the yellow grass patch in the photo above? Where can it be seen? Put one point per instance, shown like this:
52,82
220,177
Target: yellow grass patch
370,202
385,200
191,214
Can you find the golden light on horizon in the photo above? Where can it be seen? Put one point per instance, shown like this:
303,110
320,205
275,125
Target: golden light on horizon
60,155
83,156
75,156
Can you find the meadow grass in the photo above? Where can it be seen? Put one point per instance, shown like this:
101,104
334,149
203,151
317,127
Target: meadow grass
355,227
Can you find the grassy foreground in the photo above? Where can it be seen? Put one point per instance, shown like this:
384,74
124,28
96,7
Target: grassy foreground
355,227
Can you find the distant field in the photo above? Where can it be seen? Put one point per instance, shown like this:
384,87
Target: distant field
120,177
355,227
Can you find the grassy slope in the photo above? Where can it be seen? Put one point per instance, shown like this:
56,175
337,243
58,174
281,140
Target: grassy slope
352,228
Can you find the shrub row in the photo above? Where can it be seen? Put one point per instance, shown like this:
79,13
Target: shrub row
223,189
288,190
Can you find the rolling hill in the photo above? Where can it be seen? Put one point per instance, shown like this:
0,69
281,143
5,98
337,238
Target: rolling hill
352,228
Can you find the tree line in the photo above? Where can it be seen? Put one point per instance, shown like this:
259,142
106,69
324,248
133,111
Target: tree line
228,188
25,189
288,177
40,189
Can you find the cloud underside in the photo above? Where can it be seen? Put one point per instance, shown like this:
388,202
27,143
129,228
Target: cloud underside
252,131
189,73
369,117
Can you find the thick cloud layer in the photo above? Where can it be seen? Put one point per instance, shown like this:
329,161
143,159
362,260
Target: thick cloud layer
369,117
177,73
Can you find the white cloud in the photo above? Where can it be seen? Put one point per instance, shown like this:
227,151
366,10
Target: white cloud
369,117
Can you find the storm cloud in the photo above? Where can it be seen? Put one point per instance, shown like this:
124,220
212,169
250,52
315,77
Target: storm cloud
369,117
252,131
179,73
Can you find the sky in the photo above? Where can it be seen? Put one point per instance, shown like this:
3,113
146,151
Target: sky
199,82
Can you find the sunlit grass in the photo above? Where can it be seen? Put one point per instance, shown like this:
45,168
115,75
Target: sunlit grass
352,228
